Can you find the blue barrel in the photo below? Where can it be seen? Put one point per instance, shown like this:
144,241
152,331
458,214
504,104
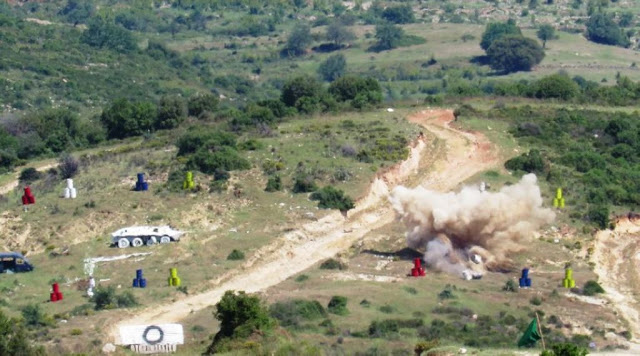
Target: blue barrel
143,283
136,283
139,274
528,281
140,177
525,273
145,186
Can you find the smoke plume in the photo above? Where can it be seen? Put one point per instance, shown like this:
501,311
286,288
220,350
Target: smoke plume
454,226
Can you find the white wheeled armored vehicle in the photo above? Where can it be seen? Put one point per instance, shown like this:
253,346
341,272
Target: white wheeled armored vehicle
137,236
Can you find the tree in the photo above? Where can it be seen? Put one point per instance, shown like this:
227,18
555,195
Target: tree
201,103
599,214
239,315
298,88
546,32
339,34
351,87
171,112
496,30
299,40
388,36
331,198
514,53
124,118
103,34
556,86
333,67
398,14
14,339
78,11
602,29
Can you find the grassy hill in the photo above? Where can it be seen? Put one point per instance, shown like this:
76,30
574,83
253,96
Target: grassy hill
66,62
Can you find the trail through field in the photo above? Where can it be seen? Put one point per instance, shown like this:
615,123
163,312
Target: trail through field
617,258
466,154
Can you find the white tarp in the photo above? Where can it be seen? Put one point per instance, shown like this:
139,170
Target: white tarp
160,334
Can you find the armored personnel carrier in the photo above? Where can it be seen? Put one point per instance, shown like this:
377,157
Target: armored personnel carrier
136,236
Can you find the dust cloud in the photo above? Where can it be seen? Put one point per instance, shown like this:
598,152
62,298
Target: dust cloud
455,226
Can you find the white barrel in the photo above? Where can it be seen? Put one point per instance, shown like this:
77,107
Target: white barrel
67,193
70,183
73,193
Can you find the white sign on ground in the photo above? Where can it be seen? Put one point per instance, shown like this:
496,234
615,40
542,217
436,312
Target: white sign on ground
161,334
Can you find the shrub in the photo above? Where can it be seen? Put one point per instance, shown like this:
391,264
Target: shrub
510,286
331,198
601,28
34,316
171,112
302,278
273,184
565,349
383,328
300,87
227,158
531,162
304,184
240,315
333,67
295,312
556,86
387,309
235,255
599,214
202,103
424,346
68,166
29,175
536,301
106,298
446,293
592,288
338,305
332,264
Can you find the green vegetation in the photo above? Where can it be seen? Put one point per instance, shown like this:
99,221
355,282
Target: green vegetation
331,198
592,288
338,305
332,264
294,313
565,349
240,315
235,255
514,53
601,28
14,339
106,298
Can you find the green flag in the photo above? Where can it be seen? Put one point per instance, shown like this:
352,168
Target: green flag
531,335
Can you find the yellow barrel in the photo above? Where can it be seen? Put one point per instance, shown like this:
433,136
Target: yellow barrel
568,273
559,193
174,272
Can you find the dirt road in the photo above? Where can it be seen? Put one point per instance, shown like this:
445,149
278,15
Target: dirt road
466,155
617,258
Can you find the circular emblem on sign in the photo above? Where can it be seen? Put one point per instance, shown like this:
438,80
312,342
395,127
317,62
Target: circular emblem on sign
155,340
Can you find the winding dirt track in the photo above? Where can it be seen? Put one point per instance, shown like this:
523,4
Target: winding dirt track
466,155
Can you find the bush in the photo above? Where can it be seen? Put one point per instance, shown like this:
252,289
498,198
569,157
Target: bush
106,298
535,301
273,184
531,162
599,214
34,316
235,255
383,328
295,312
333,67
565,349
29,175
227,158
171,112
240,315
304,184
331,198
338,305
202,103
300,87
446,293
387,309
510,286
556,86
332,264
592,288
68,166
14,339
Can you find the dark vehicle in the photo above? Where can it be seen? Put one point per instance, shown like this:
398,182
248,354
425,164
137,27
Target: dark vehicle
13,262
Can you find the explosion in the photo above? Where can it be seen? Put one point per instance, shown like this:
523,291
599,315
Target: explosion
454,227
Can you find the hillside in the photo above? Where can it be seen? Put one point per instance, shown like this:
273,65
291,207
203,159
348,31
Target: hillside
297,120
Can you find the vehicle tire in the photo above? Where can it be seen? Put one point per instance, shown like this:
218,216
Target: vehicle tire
137,242
152,240
165,239
123,243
